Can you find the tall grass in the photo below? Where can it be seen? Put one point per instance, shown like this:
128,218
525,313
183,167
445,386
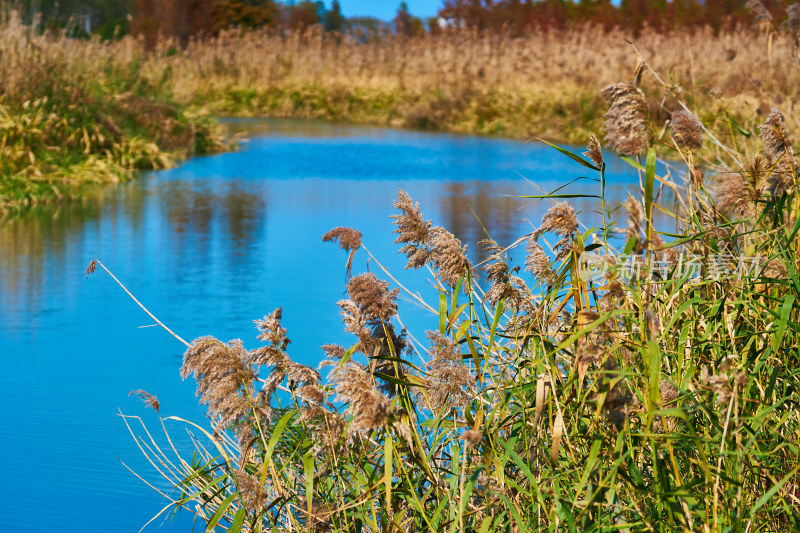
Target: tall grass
74,113
545,85
633,378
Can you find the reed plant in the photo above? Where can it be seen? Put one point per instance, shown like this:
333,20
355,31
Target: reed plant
634,377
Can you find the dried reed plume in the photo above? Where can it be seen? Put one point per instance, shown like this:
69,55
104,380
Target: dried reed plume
224,381
776,141
537,262
739,193
250,489
718,384
349,239
356,323
273,333
626,119
427,243
560,219
449,256
327,429
91,268
368,407
502,281
471,437
635,222
759,11
449,379
333,354
146,397
372,297
618,405
593,151
686,129
669,394
412,230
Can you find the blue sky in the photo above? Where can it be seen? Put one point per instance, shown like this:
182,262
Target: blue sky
386,9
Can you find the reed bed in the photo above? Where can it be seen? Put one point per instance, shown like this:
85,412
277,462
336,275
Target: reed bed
544,84
632,377
75,113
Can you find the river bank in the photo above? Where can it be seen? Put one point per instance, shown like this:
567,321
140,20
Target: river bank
75,113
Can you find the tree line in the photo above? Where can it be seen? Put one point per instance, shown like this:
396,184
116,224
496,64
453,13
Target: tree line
186,18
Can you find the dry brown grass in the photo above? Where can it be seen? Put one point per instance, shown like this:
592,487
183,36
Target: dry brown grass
545,85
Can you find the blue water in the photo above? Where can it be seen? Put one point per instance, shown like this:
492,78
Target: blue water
209,247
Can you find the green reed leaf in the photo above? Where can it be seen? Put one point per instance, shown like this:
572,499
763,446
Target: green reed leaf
223,508
574,157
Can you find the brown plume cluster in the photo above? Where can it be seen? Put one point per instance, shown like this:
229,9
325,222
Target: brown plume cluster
776,141
367,407
349,239
503,281
561,220
367,314
537,262
149,400
449,381
686,130
593,151
627,118
423,242
227,377
373,297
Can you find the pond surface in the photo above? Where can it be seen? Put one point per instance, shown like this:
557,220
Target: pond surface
209,247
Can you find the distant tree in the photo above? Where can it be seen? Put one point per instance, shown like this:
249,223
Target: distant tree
303,14
246,14
407,24
174,18
334,20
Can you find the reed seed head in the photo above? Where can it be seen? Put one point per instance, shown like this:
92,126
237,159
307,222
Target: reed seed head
349,239
449,256
224,379
537,262
560,219
356,323
250,489
626,119
334,351
669,394
372,297
686,129
776,141
91,268
593,151
471,437
502,283
718,384
450,380
412,230
271,330
146,397
368,407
